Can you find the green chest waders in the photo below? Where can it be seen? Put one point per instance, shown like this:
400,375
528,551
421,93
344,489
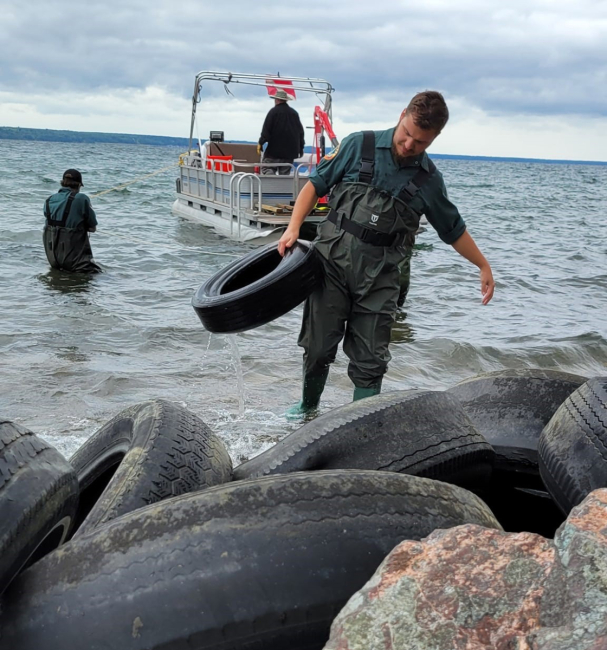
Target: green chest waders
376,210
67,249
363,242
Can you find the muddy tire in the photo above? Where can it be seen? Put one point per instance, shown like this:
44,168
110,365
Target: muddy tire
38,499
510,408
266,563
147,453
573,446
424,433
258,288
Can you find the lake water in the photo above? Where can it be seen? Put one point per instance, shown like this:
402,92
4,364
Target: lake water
74,353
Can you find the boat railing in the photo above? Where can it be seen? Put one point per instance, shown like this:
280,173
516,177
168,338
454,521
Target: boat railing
301,171
236,180
222,184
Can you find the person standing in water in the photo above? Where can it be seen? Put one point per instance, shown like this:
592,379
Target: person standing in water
69,220
381,182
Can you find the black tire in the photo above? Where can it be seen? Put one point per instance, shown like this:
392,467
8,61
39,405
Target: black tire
425,433
147,453
261,564
573,446
258,288
38,499
510,408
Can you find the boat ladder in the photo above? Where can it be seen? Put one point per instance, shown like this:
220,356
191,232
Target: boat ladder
235,185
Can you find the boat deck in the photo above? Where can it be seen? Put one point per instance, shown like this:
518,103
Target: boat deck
243,205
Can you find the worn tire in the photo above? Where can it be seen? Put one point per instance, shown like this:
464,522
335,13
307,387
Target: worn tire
147,453
261,564
510,408
425,433
38,499
573,446
258,288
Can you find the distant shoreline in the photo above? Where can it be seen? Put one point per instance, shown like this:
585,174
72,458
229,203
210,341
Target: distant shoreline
84,137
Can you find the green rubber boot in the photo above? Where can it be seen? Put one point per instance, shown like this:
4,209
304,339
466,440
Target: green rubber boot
361,393
313,386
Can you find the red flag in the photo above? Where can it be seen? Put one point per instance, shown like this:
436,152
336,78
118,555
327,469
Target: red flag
284,84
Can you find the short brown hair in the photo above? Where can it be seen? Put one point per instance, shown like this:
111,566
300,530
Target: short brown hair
429,110
68,182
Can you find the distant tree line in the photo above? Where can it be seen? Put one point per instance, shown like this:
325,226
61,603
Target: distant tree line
52,135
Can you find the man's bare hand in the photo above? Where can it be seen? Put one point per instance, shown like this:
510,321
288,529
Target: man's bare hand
287,240
487,284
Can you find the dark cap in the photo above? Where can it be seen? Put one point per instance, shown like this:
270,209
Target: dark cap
73,175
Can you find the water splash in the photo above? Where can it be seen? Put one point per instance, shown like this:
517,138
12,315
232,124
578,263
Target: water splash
239,374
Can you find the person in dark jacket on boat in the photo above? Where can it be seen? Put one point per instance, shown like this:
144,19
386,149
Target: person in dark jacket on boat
69,220
381,182
283,131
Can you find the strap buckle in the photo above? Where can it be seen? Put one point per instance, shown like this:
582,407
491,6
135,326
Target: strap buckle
410,190
376,238
366,167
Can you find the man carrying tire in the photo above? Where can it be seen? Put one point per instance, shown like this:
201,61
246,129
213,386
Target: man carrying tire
381,183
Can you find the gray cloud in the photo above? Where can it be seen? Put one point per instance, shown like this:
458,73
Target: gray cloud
535,57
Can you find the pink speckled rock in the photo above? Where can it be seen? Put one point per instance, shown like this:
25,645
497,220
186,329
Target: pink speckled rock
472,588
574,607
467,588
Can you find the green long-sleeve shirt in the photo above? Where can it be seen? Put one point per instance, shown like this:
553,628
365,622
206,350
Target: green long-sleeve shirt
81,214
431,199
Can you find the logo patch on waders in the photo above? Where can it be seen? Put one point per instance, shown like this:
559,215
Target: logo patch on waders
374,218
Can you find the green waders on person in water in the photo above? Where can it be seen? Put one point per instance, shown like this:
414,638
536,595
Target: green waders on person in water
362,245
67,249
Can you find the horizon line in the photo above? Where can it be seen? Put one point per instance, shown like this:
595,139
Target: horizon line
523,159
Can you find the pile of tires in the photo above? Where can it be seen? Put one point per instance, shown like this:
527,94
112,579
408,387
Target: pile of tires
511,409
482,434
265,563
148,539
147,453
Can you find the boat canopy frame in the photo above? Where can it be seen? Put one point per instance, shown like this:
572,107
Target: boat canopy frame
319,87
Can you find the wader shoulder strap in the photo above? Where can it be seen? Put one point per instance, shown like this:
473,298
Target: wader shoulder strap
66,211
412,187
367,158
367,167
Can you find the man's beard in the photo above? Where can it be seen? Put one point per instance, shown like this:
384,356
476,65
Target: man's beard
398,159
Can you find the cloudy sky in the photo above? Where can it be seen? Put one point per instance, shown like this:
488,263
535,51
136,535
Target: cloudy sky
523,78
